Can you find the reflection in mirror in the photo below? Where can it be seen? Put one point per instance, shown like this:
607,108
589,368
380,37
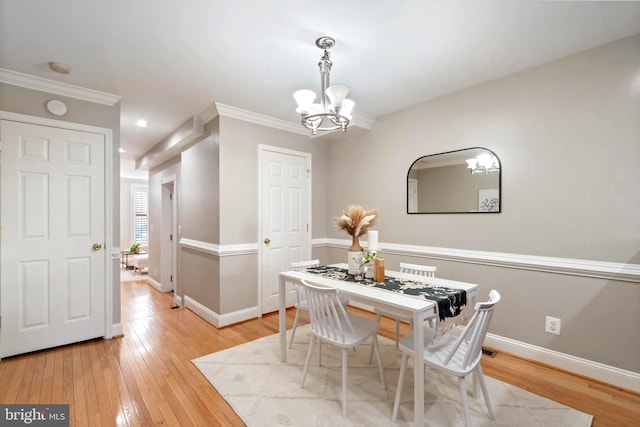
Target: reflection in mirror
462,181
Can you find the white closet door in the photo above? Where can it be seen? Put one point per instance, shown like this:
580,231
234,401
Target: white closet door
53,233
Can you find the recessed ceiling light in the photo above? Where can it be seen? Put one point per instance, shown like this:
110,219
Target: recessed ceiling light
59,68
122,150
142,123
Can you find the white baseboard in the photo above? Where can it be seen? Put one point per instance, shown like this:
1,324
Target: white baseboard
116,330
177,300
220,320
598,371
158,285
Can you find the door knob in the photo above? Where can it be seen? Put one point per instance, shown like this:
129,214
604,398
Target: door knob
96,246
267,241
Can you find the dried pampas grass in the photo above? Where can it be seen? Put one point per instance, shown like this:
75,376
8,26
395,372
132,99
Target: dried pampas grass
356,220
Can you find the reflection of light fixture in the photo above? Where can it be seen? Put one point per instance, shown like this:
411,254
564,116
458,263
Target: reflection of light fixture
142,123
334,110
483,163
59,68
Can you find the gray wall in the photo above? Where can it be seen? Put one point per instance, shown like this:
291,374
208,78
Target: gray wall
218,204
199,216
568,136
32,102
239,142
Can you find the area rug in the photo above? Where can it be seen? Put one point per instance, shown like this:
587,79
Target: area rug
265,392
131,276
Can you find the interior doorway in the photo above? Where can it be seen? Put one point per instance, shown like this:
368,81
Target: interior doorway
168,237
285,218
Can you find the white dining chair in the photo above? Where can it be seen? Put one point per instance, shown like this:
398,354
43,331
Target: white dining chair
456,355
416,270
301,299
331,322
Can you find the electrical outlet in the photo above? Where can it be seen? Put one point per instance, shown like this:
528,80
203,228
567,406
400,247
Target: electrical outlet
552,325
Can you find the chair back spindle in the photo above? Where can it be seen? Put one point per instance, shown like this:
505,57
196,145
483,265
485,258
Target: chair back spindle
469,343
418,270
328,316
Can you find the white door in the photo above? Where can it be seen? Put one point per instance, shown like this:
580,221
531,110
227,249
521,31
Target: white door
53,231
285,219
167,242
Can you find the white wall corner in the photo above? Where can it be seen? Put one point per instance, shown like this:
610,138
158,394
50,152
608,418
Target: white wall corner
159,286
216,319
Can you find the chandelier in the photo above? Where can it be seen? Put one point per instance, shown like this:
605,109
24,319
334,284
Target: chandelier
334,110
483,163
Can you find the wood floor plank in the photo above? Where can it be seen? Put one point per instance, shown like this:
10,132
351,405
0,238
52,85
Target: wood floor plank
146,377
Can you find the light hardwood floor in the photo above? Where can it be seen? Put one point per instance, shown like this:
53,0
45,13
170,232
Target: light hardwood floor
147,378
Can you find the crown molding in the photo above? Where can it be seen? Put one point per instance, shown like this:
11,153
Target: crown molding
362,121
64,89
260,119
359,120
575,267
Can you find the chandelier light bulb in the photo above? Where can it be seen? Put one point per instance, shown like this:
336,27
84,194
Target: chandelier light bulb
304,98
337,95
347,107
483,163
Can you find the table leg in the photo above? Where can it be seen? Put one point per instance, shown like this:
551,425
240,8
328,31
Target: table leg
282,319
418,368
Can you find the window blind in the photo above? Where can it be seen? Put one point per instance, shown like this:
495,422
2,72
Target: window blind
140,208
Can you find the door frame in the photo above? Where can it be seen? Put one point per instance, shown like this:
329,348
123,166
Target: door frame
262,148
111,253
171,179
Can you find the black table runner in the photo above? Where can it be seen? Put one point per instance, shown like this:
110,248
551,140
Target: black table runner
450,302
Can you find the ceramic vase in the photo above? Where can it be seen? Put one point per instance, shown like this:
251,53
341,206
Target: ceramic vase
354,255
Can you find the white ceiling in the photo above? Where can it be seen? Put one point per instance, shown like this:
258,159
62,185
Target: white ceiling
171,59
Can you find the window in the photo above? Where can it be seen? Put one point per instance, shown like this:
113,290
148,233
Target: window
140,215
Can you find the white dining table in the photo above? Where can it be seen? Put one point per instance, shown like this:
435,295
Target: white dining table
418,308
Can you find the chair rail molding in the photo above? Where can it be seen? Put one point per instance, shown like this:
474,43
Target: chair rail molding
220,250
576,267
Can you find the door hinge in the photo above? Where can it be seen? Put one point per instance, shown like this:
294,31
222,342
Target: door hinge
171,237
170,196
171,278
308,173
307,228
